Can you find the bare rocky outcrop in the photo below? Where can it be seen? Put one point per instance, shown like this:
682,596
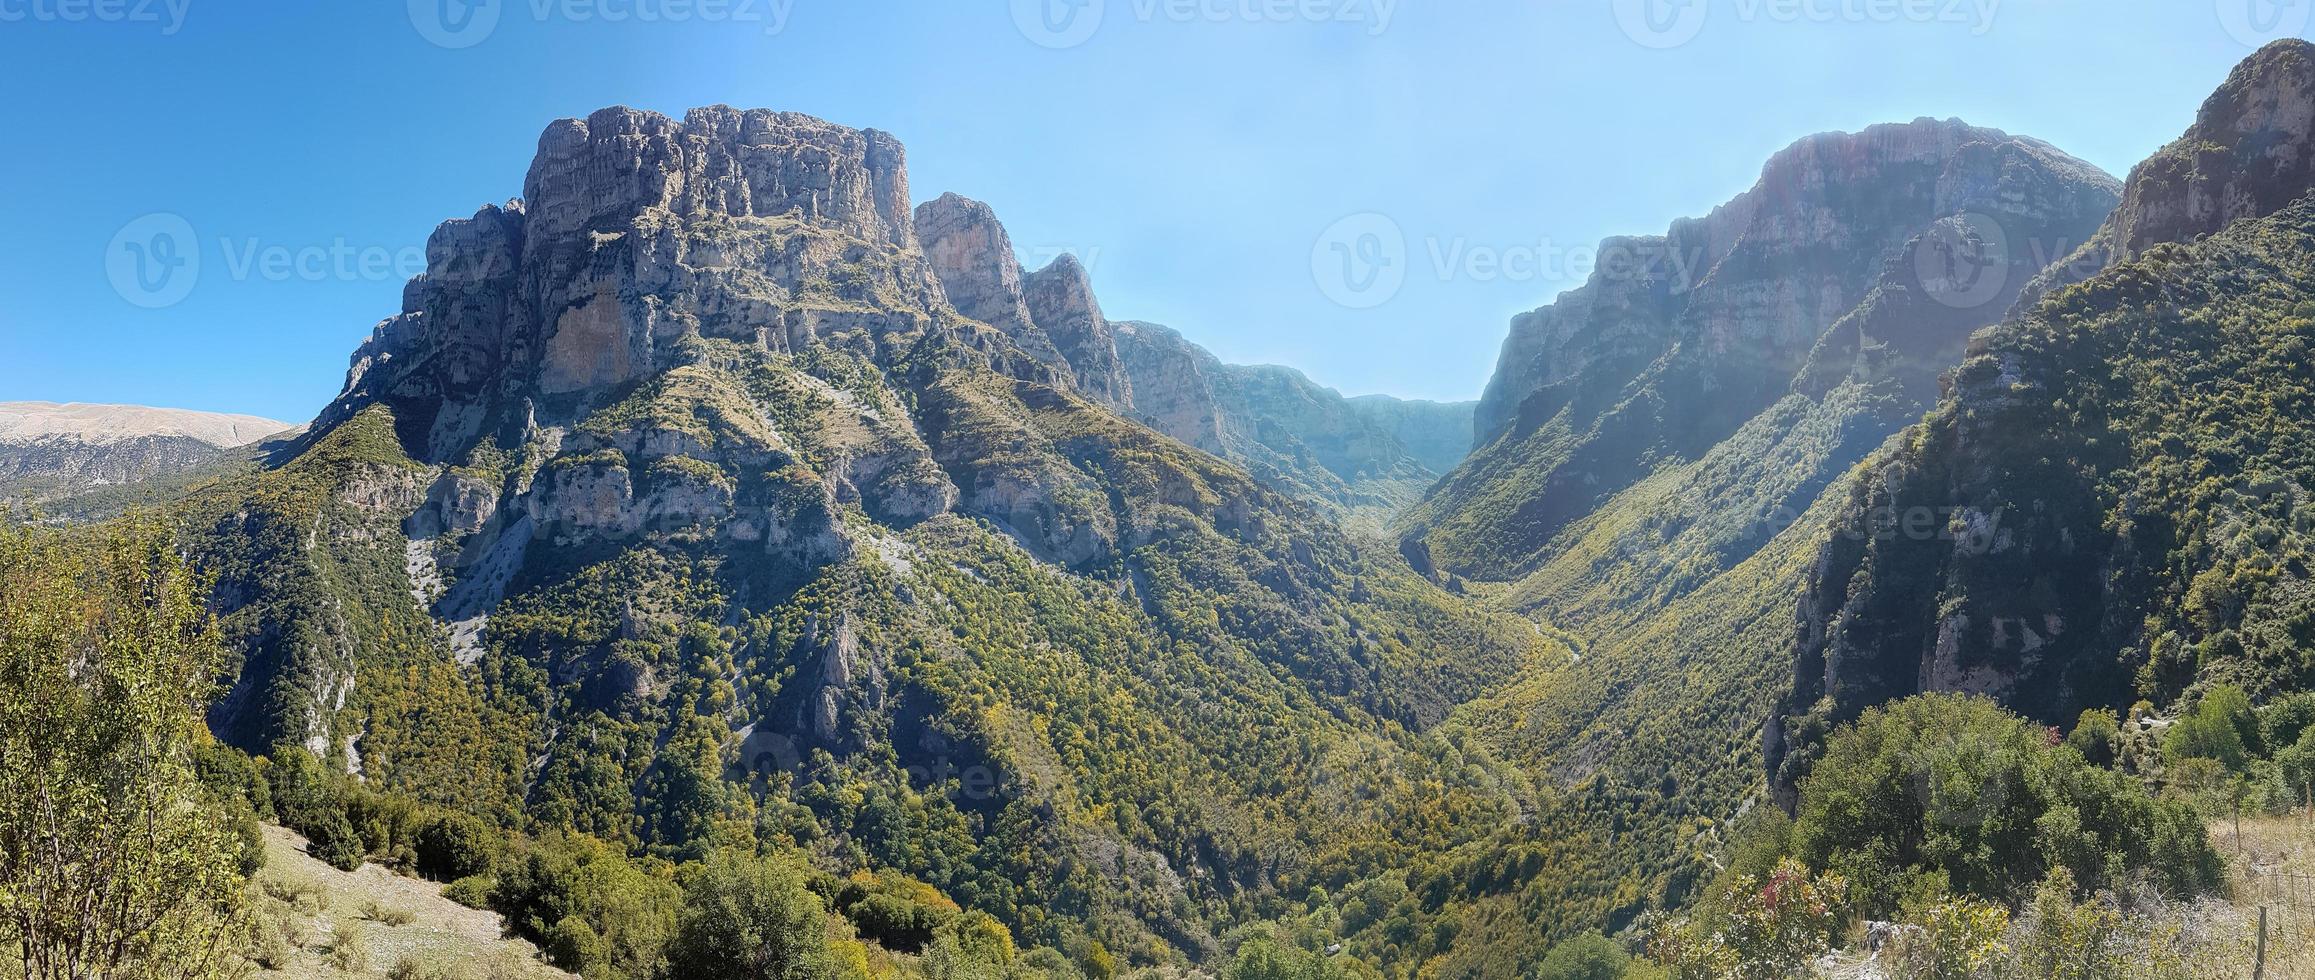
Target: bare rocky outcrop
978,271
1060,300
2048,591
1369,457
1861,257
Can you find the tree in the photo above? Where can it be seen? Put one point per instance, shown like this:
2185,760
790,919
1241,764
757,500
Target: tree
1950,791
1758,928
1264,958
748,918
455,845
1590,956
2222,726
113,860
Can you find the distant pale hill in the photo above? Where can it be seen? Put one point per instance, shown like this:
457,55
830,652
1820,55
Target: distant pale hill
49,452
105,425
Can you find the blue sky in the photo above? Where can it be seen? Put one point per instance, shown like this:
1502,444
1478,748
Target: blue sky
1200,155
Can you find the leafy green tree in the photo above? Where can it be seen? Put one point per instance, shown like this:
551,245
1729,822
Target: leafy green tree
2097,735
749,918
1264,958
1953,787
455,845
2283,721
114,862
2222,726
1590,956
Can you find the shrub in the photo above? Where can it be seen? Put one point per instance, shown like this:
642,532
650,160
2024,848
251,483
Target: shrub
349,947
472,891
1590,956
2098,736
333,841
453,846
1959,939
748,917
2221,726
387,915
561,883
1953,786
1264,958
1759,929
415,968
2285,721
574,945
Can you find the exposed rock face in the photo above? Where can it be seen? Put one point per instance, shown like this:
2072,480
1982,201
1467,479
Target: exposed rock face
2246,156
978,271
49,450
1857,257
1352,455
1368,456
638,234
1060,299
2050,589
2250,151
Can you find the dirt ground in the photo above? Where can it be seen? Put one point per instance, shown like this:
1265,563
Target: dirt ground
375,923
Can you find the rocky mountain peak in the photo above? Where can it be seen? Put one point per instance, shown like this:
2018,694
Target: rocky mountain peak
973,257
1856,256
1060,299
639,237
2250,151
718,160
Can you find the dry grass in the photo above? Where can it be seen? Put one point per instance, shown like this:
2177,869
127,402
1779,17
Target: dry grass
321,923
2272,866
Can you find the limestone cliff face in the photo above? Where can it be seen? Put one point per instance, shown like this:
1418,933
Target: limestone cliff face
1857,256
978,271
2246,156
1373,456
2250,151
2055,582
710,445
1367,457
1060,300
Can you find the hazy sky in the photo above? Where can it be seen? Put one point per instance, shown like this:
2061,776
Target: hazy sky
1365,189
